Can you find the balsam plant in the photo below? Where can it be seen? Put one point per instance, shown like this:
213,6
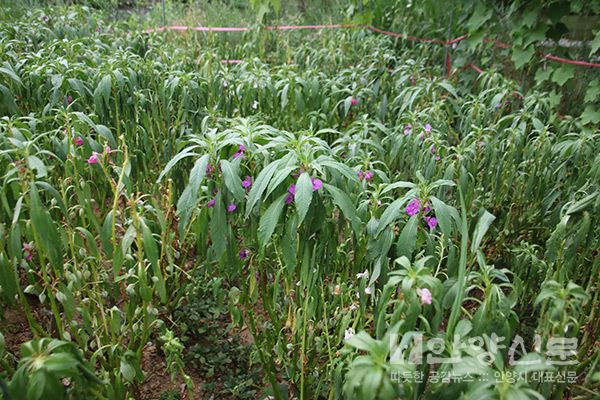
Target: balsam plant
349,209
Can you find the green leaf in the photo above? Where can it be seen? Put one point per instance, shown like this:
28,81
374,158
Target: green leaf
47,233
38,165
392,212
592,92
127,371
269,220
8,71
408,237
362,341
595,43
187,152
218,227
591,114
480,16
304,195
345,204
232,181
54,193
8,280
260,184
483,224
522,56
151,251
543,74
103,89
444,214
189,198
563,74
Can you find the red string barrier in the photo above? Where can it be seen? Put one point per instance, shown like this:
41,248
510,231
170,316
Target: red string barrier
496,42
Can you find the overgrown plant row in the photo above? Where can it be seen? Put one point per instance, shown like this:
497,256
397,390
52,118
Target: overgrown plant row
345,193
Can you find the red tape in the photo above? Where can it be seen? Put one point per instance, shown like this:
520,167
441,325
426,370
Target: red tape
496,42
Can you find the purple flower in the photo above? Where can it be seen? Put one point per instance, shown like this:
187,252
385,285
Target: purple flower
413,207
316,184
425,295
298,173
93,158
244,253
367,175
431,222
69,100
209,169
240,152
45,18
422,136
437,158
231,207
246,183
407,129
291,194
211,203
432,149
427,128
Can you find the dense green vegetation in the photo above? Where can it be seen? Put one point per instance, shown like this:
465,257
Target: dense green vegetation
282,226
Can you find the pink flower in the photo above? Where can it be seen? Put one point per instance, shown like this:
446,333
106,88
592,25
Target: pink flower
93,158
427,128
107,150
28,250
431,222
246,183
316,184
211,203
361,176
438,158
353,101
78,141
413,207
69,100
432,149
407,129
231,207
425,295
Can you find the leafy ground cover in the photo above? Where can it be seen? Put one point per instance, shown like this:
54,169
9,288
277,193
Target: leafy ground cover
331,217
